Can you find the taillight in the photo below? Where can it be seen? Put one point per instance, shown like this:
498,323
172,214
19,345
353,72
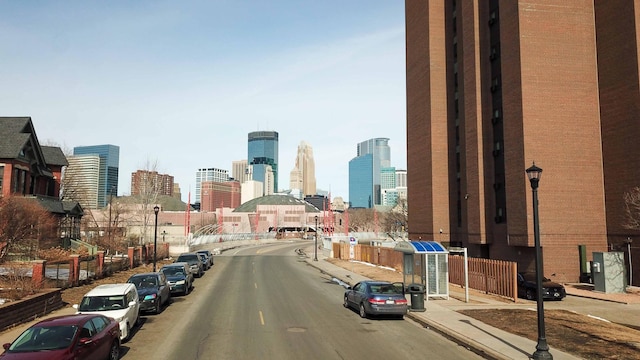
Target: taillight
377,301
401,301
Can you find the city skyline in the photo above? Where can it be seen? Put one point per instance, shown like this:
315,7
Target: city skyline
181,84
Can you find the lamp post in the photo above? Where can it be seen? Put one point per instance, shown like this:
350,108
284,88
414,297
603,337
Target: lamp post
542,348
315,247
628,242
155,237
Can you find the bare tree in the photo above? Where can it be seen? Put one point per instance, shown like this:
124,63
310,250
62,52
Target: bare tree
361,220
396,219
147,189
632,209
23,224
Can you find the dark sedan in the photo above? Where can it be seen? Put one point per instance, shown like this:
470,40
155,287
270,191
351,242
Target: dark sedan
85,336
550,290
377,298
153,290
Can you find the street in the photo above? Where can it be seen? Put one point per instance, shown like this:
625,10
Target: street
266,302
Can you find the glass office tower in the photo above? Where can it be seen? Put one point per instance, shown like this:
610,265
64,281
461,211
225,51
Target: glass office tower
262,154
361,193
380,153
108,171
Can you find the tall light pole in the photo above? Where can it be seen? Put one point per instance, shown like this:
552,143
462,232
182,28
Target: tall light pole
156,209
542,348
628,242
315,247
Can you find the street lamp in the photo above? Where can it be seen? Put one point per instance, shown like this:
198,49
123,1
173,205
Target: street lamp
155,237
628,242
542,348
315,247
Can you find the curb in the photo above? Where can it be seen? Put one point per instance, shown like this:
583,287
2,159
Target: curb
457,338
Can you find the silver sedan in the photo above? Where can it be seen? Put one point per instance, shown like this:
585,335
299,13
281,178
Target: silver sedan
376,298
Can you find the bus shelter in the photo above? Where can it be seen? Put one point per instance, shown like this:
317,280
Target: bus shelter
426,263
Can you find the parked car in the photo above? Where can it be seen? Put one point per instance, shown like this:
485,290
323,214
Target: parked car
205,261
376,298
550,290
153,290
209,256
117,301
179,277
195,264
90,336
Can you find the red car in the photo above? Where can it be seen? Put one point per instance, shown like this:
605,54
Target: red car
86,336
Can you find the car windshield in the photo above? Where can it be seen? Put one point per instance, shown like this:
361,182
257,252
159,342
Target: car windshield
41,338
102,303
385,289
144,282
191,259
173,271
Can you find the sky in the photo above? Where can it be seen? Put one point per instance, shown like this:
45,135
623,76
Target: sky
181,84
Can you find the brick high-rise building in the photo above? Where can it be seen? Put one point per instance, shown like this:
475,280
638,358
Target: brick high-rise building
140,179
493,86
220,195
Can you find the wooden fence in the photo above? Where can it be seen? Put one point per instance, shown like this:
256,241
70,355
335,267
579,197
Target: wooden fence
495,277
489,276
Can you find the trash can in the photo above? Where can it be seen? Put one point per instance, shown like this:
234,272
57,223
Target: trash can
417,292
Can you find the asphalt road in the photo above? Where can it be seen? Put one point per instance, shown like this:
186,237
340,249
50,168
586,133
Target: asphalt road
267,303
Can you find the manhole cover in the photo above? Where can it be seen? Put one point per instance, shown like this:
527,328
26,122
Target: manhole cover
296,329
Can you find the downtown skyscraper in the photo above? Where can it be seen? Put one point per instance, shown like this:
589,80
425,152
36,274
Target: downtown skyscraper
106,172
365,172
303,175
262,154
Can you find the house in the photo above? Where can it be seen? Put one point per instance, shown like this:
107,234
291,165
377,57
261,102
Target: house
31,170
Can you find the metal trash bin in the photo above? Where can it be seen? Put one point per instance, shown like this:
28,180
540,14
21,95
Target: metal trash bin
417,292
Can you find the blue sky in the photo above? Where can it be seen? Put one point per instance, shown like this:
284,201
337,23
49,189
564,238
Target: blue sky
182,83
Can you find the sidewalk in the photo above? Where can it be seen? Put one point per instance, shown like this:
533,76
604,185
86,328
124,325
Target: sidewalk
481,338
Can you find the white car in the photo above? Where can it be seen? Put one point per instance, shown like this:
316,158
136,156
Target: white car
117,301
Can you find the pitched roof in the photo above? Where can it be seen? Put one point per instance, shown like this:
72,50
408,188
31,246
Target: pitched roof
53,155
14,132
252,205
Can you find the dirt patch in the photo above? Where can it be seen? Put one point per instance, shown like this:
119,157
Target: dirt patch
570,332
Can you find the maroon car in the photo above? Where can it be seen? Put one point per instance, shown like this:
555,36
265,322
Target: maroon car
84,336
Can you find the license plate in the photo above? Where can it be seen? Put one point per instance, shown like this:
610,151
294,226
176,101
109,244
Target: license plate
390,302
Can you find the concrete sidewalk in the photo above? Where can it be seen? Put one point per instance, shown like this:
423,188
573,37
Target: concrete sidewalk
440,316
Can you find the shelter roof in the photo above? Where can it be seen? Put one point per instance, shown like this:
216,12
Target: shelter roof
420,247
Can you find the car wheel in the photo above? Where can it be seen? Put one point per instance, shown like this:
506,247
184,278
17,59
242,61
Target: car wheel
158,306
114,351
187,288
363,312
346,302
530,295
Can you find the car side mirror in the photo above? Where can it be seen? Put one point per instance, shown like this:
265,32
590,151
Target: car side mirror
348,287
132,303
75,306
6,346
